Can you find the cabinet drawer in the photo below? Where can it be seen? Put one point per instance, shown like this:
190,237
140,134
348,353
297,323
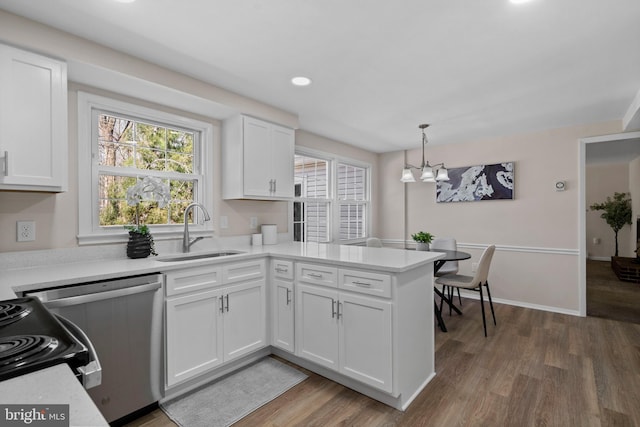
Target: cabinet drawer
317,274
193,279
282,269
365,282
242,271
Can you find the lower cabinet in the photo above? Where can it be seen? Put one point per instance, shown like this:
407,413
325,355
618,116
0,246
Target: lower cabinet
193,335
346,332
282,315
207,328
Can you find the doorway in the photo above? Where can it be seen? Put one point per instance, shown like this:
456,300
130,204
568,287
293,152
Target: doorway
602,293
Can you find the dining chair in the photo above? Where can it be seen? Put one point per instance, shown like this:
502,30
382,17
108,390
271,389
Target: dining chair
374,242
474,283
449,267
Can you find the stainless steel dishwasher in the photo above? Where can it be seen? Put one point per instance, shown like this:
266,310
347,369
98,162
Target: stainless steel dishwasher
123,320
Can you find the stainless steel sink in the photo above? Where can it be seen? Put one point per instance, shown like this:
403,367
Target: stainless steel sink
204,255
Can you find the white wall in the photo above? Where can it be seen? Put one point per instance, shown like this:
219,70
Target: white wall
634,189
536,263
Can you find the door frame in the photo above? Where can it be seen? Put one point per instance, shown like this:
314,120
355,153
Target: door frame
582,222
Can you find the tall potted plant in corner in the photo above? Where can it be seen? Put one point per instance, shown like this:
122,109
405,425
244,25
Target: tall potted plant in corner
617,212
422,239
141,244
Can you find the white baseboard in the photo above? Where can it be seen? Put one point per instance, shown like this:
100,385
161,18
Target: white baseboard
560,310
599,258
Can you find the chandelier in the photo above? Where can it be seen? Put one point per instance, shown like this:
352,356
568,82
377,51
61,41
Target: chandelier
430,173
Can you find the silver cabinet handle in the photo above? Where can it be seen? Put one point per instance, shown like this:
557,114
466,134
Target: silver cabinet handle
6,163
357,283
227,297
316,275
275,185
222,304
333,308
339,314
288,296
281,269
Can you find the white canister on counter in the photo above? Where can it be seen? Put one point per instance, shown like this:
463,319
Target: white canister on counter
269,234
256,239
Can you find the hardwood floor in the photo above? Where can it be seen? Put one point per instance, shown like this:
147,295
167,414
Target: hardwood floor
609,297
535,369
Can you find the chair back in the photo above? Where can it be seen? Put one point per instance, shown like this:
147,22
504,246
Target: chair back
482,273
450,244
374,242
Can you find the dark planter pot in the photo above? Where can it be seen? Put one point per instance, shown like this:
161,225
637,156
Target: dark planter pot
139,245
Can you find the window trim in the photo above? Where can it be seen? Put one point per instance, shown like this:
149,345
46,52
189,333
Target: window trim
334,203
89,230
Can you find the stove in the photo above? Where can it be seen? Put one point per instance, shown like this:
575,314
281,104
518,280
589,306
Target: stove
32,338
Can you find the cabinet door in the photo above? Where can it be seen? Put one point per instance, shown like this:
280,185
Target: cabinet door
257,156
317,325
365,340
282,154
244,318
282,315
194,335
33,121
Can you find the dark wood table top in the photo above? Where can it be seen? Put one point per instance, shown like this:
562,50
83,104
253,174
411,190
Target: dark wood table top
452,255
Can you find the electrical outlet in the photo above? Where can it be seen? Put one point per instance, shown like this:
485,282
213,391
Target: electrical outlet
26,231
474,267
253,223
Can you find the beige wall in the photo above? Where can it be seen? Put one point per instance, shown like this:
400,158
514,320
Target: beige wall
602,181
537,234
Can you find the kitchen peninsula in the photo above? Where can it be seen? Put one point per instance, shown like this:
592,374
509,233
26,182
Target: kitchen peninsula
375,336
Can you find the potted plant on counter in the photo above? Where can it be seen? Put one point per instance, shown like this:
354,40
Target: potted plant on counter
141,244
422,239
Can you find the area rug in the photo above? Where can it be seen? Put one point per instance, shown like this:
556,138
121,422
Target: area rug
235,396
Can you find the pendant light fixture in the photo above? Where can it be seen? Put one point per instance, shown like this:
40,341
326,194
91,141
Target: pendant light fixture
429,173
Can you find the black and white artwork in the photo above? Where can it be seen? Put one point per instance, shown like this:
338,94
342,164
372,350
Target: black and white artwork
473,183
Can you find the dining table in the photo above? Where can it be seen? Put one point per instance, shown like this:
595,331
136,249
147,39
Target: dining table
437,265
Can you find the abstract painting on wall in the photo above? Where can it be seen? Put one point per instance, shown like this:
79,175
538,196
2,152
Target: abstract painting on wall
473,183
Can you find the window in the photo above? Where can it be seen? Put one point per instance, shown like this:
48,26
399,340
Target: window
352,201
331,199
311,208
120,143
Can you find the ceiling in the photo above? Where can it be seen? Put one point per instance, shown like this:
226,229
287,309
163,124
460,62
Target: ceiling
472,69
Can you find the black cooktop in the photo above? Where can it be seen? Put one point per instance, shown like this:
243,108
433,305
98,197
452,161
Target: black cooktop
32,338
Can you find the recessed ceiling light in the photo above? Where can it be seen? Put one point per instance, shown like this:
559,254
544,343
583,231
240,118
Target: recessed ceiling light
301,81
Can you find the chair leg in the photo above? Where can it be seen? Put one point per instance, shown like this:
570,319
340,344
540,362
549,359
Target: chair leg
490,303
459,299
450,299
484,321
444,287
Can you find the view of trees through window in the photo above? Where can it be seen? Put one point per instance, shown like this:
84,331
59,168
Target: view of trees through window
129,149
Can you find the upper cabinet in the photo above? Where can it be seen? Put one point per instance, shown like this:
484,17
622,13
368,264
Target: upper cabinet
257,160
33,122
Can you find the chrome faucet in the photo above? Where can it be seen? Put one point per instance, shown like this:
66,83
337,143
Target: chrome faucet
186,241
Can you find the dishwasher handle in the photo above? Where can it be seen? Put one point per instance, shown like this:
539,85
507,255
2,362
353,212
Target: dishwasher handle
92,372
100,296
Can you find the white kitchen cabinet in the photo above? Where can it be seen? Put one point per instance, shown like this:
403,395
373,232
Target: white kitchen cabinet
214,314
282,305
193,335
257,160
244,318
33,122
345,331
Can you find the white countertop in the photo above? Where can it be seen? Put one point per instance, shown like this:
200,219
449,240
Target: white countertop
59,270
50,386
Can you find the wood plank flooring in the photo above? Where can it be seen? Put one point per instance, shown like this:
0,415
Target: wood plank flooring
535,369
609,297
